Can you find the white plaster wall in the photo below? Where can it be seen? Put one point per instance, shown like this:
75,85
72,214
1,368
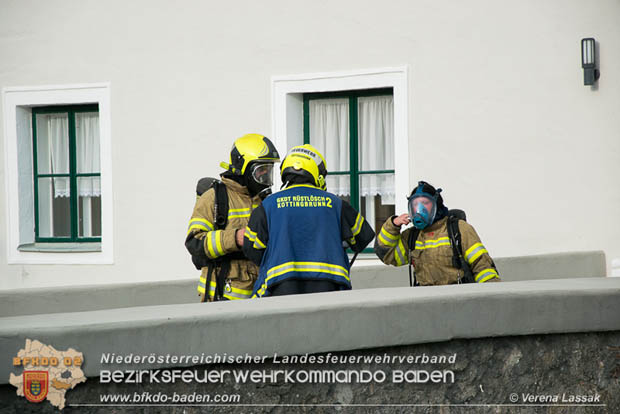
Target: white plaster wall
498,113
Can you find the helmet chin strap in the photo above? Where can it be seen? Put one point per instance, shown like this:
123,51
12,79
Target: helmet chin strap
264,193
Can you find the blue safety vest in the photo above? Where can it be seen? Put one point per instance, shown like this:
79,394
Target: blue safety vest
304,239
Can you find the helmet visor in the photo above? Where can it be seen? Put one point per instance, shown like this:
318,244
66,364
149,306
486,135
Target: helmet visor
263,174
422,210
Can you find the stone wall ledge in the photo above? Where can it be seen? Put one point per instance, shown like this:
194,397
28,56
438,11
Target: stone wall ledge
326,322
60,299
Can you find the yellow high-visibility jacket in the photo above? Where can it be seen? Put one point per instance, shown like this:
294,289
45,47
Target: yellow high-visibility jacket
218,244
432,255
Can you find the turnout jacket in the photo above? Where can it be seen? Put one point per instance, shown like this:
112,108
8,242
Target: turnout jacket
432,255
209,244
298,233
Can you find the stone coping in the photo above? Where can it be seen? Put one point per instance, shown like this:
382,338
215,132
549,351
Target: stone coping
32,301
326,322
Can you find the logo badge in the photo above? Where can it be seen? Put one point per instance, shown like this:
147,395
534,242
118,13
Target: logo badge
36,385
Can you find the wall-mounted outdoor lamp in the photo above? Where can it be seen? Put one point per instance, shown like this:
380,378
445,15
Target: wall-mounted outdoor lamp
588,62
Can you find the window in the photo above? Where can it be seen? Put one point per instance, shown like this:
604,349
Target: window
58,168
355,132
66,173
288,93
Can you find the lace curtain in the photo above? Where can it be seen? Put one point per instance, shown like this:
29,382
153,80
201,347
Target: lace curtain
329,133
53,158
376,146
58,150
87,152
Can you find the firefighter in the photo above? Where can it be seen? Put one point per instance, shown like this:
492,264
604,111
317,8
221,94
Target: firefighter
297,234
431,253
217,225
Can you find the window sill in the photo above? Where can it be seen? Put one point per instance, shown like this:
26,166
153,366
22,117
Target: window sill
60,247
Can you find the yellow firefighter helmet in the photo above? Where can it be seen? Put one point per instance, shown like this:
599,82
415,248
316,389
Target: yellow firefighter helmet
306,161
249,148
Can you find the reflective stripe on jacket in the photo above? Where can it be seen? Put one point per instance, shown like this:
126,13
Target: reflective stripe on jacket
219,243
432,255
297,233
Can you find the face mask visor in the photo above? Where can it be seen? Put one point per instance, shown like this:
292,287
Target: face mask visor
422,210
263,174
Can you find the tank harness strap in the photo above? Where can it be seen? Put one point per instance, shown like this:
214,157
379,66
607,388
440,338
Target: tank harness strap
458,260
413,236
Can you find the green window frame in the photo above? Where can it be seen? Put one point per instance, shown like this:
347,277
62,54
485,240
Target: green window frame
73,175
354,171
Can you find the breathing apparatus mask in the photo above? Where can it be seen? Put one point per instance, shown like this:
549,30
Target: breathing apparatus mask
423,206
259,178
